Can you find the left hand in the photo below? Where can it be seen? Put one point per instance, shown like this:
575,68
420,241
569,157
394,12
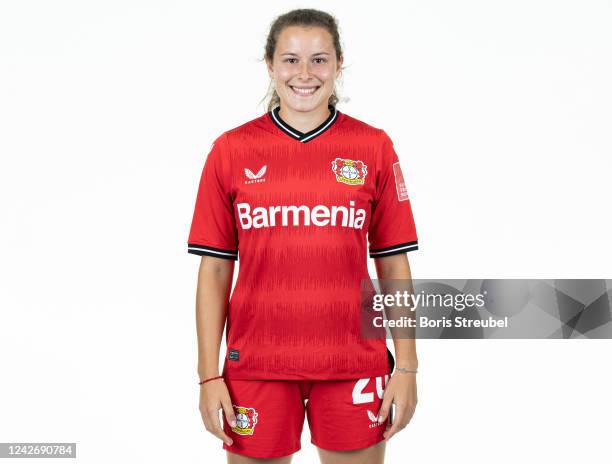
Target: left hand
401,391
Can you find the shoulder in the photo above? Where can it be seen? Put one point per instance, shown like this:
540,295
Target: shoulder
365,129
245,131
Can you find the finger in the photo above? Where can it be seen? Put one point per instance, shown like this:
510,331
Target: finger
228,409
409,415
215,426
398,423
205,419
383,412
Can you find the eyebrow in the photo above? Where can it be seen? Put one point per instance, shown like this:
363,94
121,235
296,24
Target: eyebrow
295,54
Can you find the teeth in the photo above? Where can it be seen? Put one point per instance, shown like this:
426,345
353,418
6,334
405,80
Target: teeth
308,91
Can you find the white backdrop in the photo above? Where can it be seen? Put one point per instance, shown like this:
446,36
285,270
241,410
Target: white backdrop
500,113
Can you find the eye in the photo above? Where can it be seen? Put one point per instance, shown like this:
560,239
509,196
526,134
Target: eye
321,60
290,60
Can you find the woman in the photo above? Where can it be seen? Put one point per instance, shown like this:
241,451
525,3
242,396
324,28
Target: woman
294,192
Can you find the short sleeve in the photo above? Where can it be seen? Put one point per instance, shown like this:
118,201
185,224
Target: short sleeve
392,229
213,228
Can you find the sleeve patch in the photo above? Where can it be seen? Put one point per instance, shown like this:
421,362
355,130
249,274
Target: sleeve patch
400,185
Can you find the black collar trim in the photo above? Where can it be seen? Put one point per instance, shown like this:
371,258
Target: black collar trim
301,136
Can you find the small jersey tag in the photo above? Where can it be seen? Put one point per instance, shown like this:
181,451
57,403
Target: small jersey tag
234,355
400,185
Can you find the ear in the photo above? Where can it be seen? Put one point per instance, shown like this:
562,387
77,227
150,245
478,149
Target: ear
340,62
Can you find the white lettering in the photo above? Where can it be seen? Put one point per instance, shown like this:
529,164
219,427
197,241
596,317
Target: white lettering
243,214
319,215
359,396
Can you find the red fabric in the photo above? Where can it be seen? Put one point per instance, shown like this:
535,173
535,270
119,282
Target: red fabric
339,415
294,313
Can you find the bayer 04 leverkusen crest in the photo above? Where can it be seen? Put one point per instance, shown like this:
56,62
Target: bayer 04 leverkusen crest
246,419
349,171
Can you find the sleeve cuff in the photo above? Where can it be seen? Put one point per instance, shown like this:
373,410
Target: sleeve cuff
210,251
394,250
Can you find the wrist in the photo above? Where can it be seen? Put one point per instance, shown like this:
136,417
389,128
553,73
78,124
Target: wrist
210,379
406,370
207,372
407,363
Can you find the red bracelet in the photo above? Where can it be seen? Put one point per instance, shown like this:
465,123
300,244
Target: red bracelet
212,378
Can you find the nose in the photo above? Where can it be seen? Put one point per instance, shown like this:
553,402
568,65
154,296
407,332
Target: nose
303,72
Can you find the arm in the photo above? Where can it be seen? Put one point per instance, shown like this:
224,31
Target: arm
214,287
401,389
397,267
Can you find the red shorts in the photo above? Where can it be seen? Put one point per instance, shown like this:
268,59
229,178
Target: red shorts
270,415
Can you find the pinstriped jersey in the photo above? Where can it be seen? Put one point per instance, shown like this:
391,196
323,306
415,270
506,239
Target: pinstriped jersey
301,212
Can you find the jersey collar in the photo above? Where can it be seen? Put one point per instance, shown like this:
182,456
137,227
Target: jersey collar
301,136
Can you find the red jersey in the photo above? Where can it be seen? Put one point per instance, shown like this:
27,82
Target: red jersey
295,209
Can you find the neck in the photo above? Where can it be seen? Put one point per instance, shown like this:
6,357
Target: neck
304,121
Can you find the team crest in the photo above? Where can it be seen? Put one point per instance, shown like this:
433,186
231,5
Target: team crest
349,171
246,418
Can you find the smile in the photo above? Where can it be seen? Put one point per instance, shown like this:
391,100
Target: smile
304,91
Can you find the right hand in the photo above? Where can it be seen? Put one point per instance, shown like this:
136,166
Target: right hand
214,396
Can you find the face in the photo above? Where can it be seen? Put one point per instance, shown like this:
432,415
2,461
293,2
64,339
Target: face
304,68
